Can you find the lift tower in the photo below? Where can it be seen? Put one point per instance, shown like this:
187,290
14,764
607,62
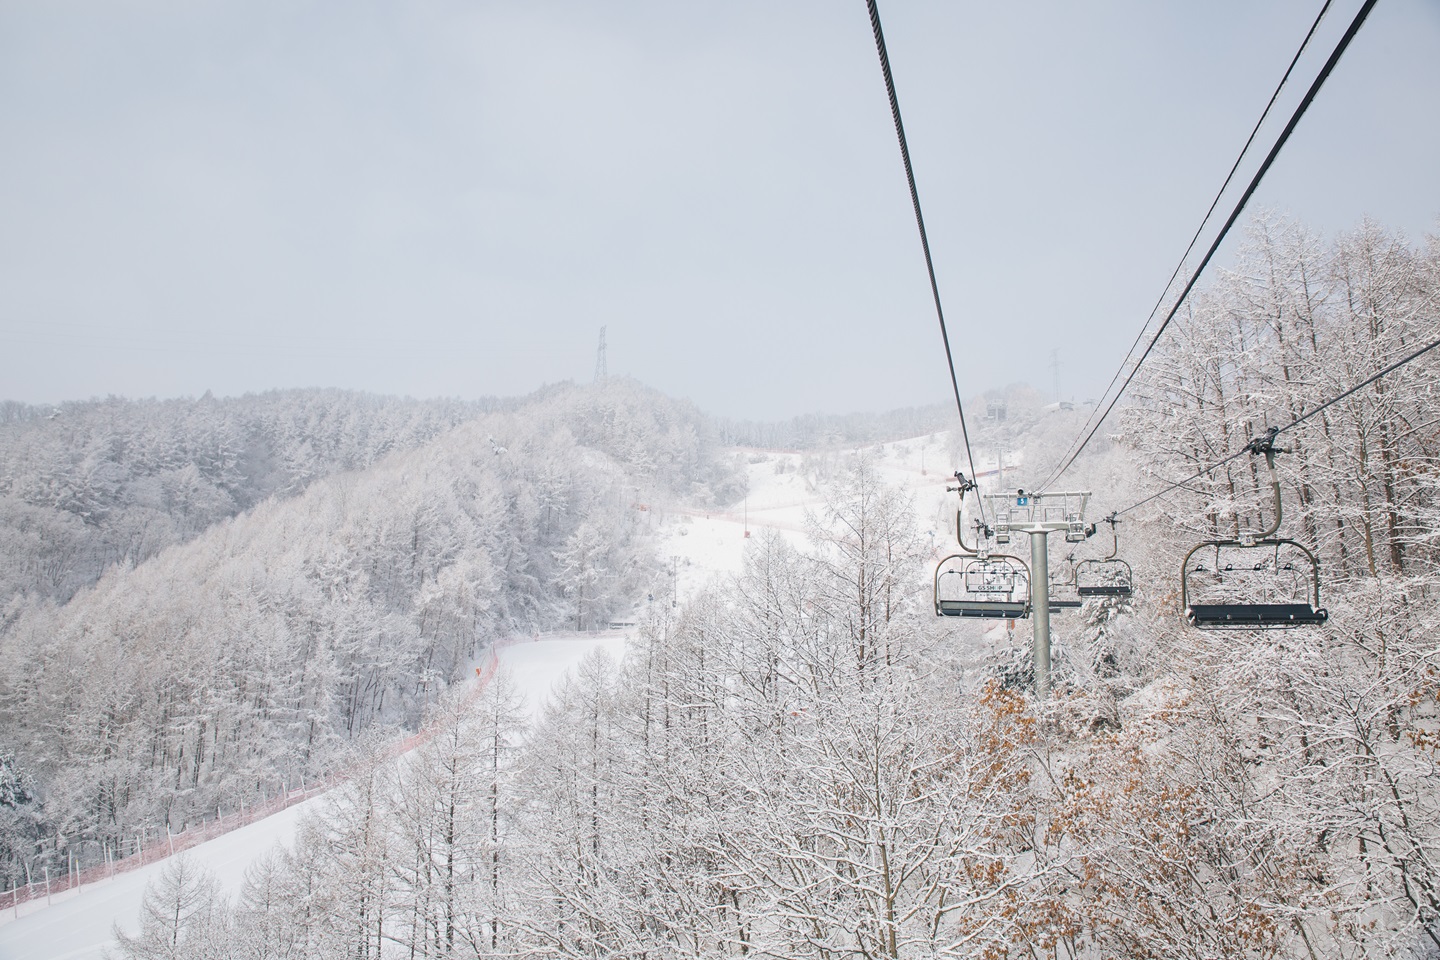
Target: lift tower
1039,515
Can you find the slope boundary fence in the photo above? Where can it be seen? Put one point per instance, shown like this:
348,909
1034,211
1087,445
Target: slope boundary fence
173,843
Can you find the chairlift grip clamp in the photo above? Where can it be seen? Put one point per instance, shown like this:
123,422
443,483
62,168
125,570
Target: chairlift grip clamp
1266,444
965,485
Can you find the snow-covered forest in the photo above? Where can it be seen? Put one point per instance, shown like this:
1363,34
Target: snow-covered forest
803,761
206,599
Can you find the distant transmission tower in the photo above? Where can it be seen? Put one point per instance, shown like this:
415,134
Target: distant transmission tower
1054,366
600,372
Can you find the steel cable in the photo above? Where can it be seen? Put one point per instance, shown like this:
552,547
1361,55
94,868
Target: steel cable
1304,105
1254,131
920,223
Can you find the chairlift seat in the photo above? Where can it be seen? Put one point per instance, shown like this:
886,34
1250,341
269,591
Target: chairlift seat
995,587
983,609
1105,590
1242,615
1057,606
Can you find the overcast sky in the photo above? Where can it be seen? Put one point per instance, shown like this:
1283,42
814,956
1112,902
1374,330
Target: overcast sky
452,198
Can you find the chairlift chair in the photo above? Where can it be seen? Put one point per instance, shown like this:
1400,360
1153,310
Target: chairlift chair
1256,581
976,583
994,587
1271,583
1107,577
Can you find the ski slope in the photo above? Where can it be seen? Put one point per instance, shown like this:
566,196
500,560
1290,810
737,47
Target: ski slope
785,487
78,924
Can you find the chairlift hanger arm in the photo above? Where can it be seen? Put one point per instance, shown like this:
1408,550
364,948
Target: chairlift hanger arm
1072,582
982,530
1266,445
982,533
1114,522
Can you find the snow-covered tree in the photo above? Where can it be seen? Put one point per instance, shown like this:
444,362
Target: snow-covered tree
182,917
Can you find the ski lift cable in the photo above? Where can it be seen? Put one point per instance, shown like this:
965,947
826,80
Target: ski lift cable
1264,115
1304,105
920,223
1291,425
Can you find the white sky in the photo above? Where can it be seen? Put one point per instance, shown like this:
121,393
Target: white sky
450,199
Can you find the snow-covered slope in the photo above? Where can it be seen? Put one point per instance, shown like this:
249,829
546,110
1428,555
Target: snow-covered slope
77,924
784,487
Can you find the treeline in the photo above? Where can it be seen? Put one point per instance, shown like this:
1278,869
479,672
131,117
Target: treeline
1295,324
226,666
89,484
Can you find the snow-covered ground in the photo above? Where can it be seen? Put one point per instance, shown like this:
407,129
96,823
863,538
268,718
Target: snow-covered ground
784,487
535,666
77,924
